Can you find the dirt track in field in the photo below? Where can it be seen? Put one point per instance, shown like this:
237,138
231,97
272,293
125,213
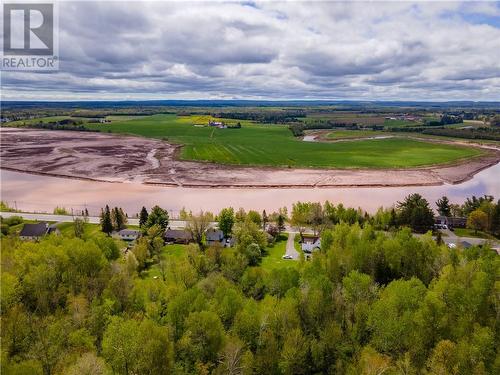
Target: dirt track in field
119,158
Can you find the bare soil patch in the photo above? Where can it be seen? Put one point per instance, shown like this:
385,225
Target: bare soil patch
118,158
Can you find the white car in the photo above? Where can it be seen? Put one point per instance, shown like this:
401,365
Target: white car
287,256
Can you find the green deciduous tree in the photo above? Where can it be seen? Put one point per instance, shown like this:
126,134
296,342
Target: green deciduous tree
133,347
203,337
226,221
477,220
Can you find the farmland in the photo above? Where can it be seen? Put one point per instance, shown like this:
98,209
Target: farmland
349,134
274,145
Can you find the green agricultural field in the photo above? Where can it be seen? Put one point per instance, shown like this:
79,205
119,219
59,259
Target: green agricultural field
274,145
115,118
36,120
346,134
400,123
45,120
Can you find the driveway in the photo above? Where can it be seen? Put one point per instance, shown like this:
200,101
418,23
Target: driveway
290,246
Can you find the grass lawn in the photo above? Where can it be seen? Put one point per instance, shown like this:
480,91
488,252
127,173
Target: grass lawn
274,145
273,259
174,251
67,229
464,232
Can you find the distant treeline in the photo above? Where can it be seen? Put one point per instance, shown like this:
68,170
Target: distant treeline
60,126
269,117
446,119
474,133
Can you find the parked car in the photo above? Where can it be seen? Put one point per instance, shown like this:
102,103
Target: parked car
287,256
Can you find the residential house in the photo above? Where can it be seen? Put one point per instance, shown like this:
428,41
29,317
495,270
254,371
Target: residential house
214,236
181,236
215,123
310,243
129,234
465,244
34,232
451,222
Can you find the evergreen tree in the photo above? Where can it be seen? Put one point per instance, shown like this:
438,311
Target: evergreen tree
106,223
443,206
143,217
157,216
265,220
280,222
118,218
415,212
79,227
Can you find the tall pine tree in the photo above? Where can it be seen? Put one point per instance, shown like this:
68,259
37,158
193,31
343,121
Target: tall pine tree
143,217
106,223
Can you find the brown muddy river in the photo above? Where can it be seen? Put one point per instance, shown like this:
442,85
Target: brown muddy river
42,193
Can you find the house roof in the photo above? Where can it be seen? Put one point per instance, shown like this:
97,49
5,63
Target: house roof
180,234
465,244
34,230
310,238
128,232
214,235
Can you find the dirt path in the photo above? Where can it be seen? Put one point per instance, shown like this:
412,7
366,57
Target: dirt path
120,158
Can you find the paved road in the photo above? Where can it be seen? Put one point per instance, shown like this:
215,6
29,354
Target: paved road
69,218
452,238
290,246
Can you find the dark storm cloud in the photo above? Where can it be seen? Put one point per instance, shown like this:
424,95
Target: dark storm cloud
375,50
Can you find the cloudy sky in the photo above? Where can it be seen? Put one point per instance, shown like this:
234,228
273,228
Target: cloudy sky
271,50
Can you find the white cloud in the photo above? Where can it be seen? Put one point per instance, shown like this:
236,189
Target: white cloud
331,50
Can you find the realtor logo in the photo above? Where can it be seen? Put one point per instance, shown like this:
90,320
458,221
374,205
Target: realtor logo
29,41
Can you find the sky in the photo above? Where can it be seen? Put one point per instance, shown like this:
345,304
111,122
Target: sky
120,50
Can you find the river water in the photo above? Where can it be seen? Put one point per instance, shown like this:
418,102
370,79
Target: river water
30,192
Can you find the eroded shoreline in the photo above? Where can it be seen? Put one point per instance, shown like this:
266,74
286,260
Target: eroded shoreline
103,157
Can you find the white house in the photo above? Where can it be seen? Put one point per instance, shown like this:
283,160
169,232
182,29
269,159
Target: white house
128,234
310,243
